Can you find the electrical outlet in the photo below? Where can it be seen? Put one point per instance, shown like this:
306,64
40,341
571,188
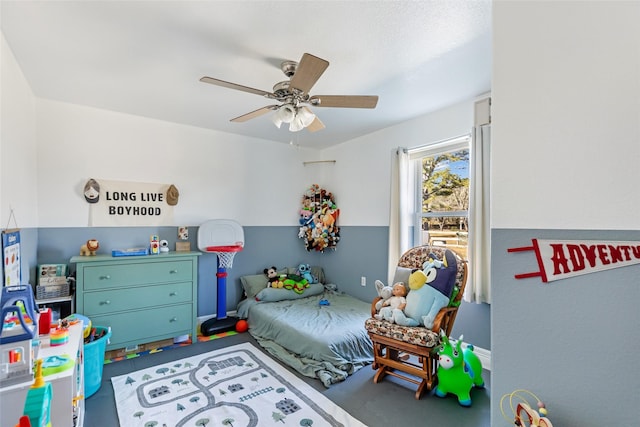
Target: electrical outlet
363,281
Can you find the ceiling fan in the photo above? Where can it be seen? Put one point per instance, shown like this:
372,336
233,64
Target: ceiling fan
293,95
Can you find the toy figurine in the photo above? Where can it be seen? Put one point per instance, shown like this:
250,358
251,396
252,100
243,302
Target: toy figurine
89,248
154,245
458,370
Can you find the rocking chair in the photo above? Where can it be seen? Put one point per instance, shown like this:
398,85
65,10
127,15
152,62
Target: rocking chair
396,348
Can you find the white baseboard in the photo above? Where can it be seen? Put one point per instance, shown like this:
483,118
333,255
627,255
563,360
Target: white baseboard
485,357
483,354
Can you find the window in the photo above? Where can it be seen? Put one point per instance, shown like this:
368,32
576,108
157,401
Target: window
441,205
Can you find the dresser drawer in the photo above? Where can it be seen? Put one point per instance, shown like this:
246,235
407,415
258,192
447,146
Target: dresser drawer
103,302
98,277
142,325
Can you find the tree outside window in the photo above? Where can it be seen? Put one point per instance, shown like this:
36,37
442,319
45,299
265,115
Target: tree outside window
444,200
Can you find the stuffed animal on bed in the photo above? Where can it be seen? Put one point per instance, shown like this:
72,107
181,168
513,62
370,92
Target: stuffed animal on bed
273,276
287,281
304,270
429,290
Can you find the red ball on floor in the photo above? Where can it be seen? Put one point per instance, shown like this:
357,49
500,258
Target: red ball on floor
242,326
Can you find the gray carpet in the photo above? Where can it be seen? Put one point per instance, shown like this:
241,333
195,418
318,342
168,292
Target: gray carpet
389,403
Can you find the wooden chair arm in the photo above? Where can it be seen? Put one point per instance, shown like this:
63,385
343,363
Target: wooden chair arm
442,319
373,306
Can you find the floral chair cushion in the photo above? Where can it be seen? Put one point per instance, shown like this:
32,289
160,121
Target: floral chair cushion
417,335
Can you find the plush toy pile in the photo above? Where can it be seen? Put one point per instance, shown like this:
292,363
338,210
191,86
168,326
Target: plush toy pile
430,289
292,282
318,220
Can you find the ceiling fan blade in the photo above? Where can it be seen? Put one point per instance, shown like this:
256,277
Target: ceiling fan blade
235,86
308,72
344,101
257,113
315,125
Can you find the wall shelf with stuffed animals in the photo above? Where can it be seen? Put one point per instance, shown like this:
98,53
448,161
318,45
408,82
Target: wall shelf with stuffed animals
319,220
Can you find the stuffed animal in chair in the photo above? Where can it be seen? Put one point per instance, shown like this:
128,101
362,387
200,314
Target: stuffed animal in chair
396,302
384,292
429,290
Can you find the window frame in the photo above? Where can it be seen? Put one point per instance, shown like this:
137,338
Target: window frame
415,156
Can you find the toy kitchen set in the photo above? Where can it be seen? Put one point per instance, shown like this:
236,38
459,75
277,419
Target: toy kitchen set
55,396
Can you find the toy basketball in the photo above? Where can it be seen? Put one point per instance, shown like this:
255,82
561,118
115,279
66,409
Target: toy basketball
242,326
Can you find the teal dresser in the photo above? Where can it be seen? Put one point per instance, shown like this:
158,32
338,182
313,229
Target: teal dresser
142,298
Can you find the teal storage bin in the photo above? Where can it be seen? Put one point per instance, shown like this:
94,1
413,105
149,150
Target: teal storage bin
94,352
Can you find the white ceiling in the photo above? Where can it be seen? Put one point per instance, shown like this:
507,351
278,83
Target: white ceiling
146,57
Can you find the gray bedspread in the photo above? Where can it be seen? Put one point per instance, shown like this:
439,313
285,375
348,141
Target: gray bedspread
328,342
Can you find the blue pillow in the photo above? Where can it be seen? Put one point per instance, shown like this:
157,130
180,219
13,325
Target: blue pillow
280,294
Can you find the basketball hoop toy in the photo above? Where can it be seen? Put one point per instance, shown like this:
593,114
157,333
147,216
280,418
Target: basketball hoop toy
224,238
225,256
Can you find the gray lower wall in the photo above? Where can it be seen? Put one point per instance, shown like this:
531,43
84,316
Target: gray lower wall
568,341
362,251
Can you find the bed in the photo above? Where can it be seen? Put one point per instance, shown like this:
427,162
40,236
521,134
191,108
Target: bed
327,342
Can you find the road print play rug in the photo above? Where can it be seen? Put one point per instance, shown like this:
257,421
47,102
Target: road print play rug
236,386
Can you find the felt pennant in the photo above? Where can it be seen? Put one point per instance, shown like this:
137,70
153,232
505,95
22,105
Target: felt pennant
560,259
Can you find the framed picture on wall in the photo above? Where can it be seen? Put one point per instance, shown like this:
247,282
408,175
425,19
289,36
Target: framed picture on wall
11,257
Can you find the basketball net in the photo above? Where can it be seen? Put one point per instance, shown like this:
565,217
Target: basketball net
225,254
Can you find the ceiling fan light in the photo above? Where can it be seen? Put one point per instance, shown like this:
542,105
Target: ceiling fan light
276,120
306,116
286,113
296,124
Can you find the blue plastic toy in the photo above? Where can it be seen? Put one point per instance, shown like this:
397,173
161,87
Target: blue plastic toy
304,271
458,370
37,406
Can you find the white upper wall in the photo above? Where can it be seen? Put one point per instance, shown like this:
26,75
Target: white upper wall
219,175
363,172
566,151
18,147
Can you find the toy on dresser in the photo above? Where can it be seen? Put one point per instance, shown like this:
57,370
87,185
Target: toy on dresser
90,248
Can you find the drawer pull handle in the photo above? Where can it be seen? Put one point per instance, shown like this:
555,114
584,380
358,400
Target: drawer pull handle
173,319
173,272
173,294
107,302
106,277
